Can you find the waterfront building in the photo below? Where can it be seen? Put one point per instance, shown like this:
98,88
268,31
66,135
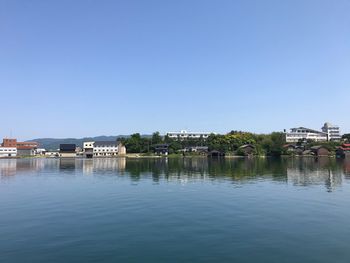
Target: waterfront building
188,135
40,151
67,150
88,149
247,149
52,153
12,143
22,148
319,150
27,148
8,151
302,134
161,149
196,149
294,149
105,148
332,131
121,149
343,151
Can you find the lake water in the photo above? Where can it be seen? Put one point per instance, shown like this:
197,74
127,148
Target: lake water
175,210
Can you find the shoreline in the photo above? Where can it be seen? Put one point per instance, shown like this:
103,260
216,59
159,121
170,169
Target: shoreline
140,156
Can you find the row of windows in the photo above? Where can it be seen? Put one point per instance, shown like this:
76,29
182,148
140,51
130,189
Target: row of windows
95,150
305,135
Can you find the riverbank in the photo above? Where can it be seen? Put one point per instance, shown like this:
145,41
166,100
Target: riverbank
171,156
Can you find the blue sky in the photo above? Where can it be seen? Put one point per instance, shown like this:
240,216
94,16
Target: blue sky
86,68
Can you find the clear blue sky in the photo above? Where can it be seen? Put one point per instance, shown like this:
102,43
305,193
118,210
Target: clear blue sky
86,68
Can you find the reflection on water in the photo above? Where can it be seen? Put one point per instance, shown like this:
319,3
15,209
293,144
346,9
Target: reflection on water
174,210
298,171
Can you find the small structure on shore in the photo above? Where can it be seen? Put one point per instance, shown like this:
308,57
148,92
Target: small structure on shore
68,150
161,149
320,150
196,149
343,151
27,148
247,149
294,149
52,153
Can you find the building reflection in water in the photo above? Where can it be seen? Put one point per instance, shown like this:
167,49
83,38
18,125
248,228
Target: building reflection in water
298,171
11,167
89,166
346,167
311,171
8,167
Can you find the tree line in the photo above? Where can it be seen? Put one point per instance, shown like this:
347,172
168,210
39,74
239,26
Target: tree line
264,144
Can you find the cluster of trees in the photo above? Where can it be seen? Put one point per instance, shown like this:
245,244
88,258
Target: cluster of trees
230,143
265,144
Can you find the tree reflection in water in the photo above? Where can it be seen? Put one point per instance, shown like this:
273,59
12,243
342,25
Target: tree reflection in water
297,171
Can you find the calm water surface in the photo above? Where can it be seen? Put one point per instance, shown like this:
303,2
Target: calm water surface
174,210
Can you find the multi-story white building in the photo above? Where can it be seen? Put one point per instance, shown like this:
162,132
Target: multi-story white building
302,133
88,149
8,151
332,131
105,148
188,135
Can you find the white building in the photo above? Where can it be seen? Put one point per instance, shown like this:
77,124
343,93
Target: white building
88,145
105,148
40,151
188,135
88,149
52,153
332,131
8,151
303,133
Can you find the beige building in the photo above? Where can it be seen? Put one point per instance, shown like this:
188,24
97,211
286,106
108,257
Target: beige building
68,151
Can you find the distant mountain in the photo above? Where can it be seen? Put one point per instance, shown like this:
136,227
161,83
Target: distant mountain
54,144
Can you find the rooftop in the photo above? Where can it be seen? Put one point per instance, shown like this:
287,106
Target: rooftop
105,143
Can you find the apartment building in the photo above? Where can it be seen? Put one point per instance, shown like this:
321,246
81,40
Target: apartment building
105,148
328,132
188,135
332,131
302,133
